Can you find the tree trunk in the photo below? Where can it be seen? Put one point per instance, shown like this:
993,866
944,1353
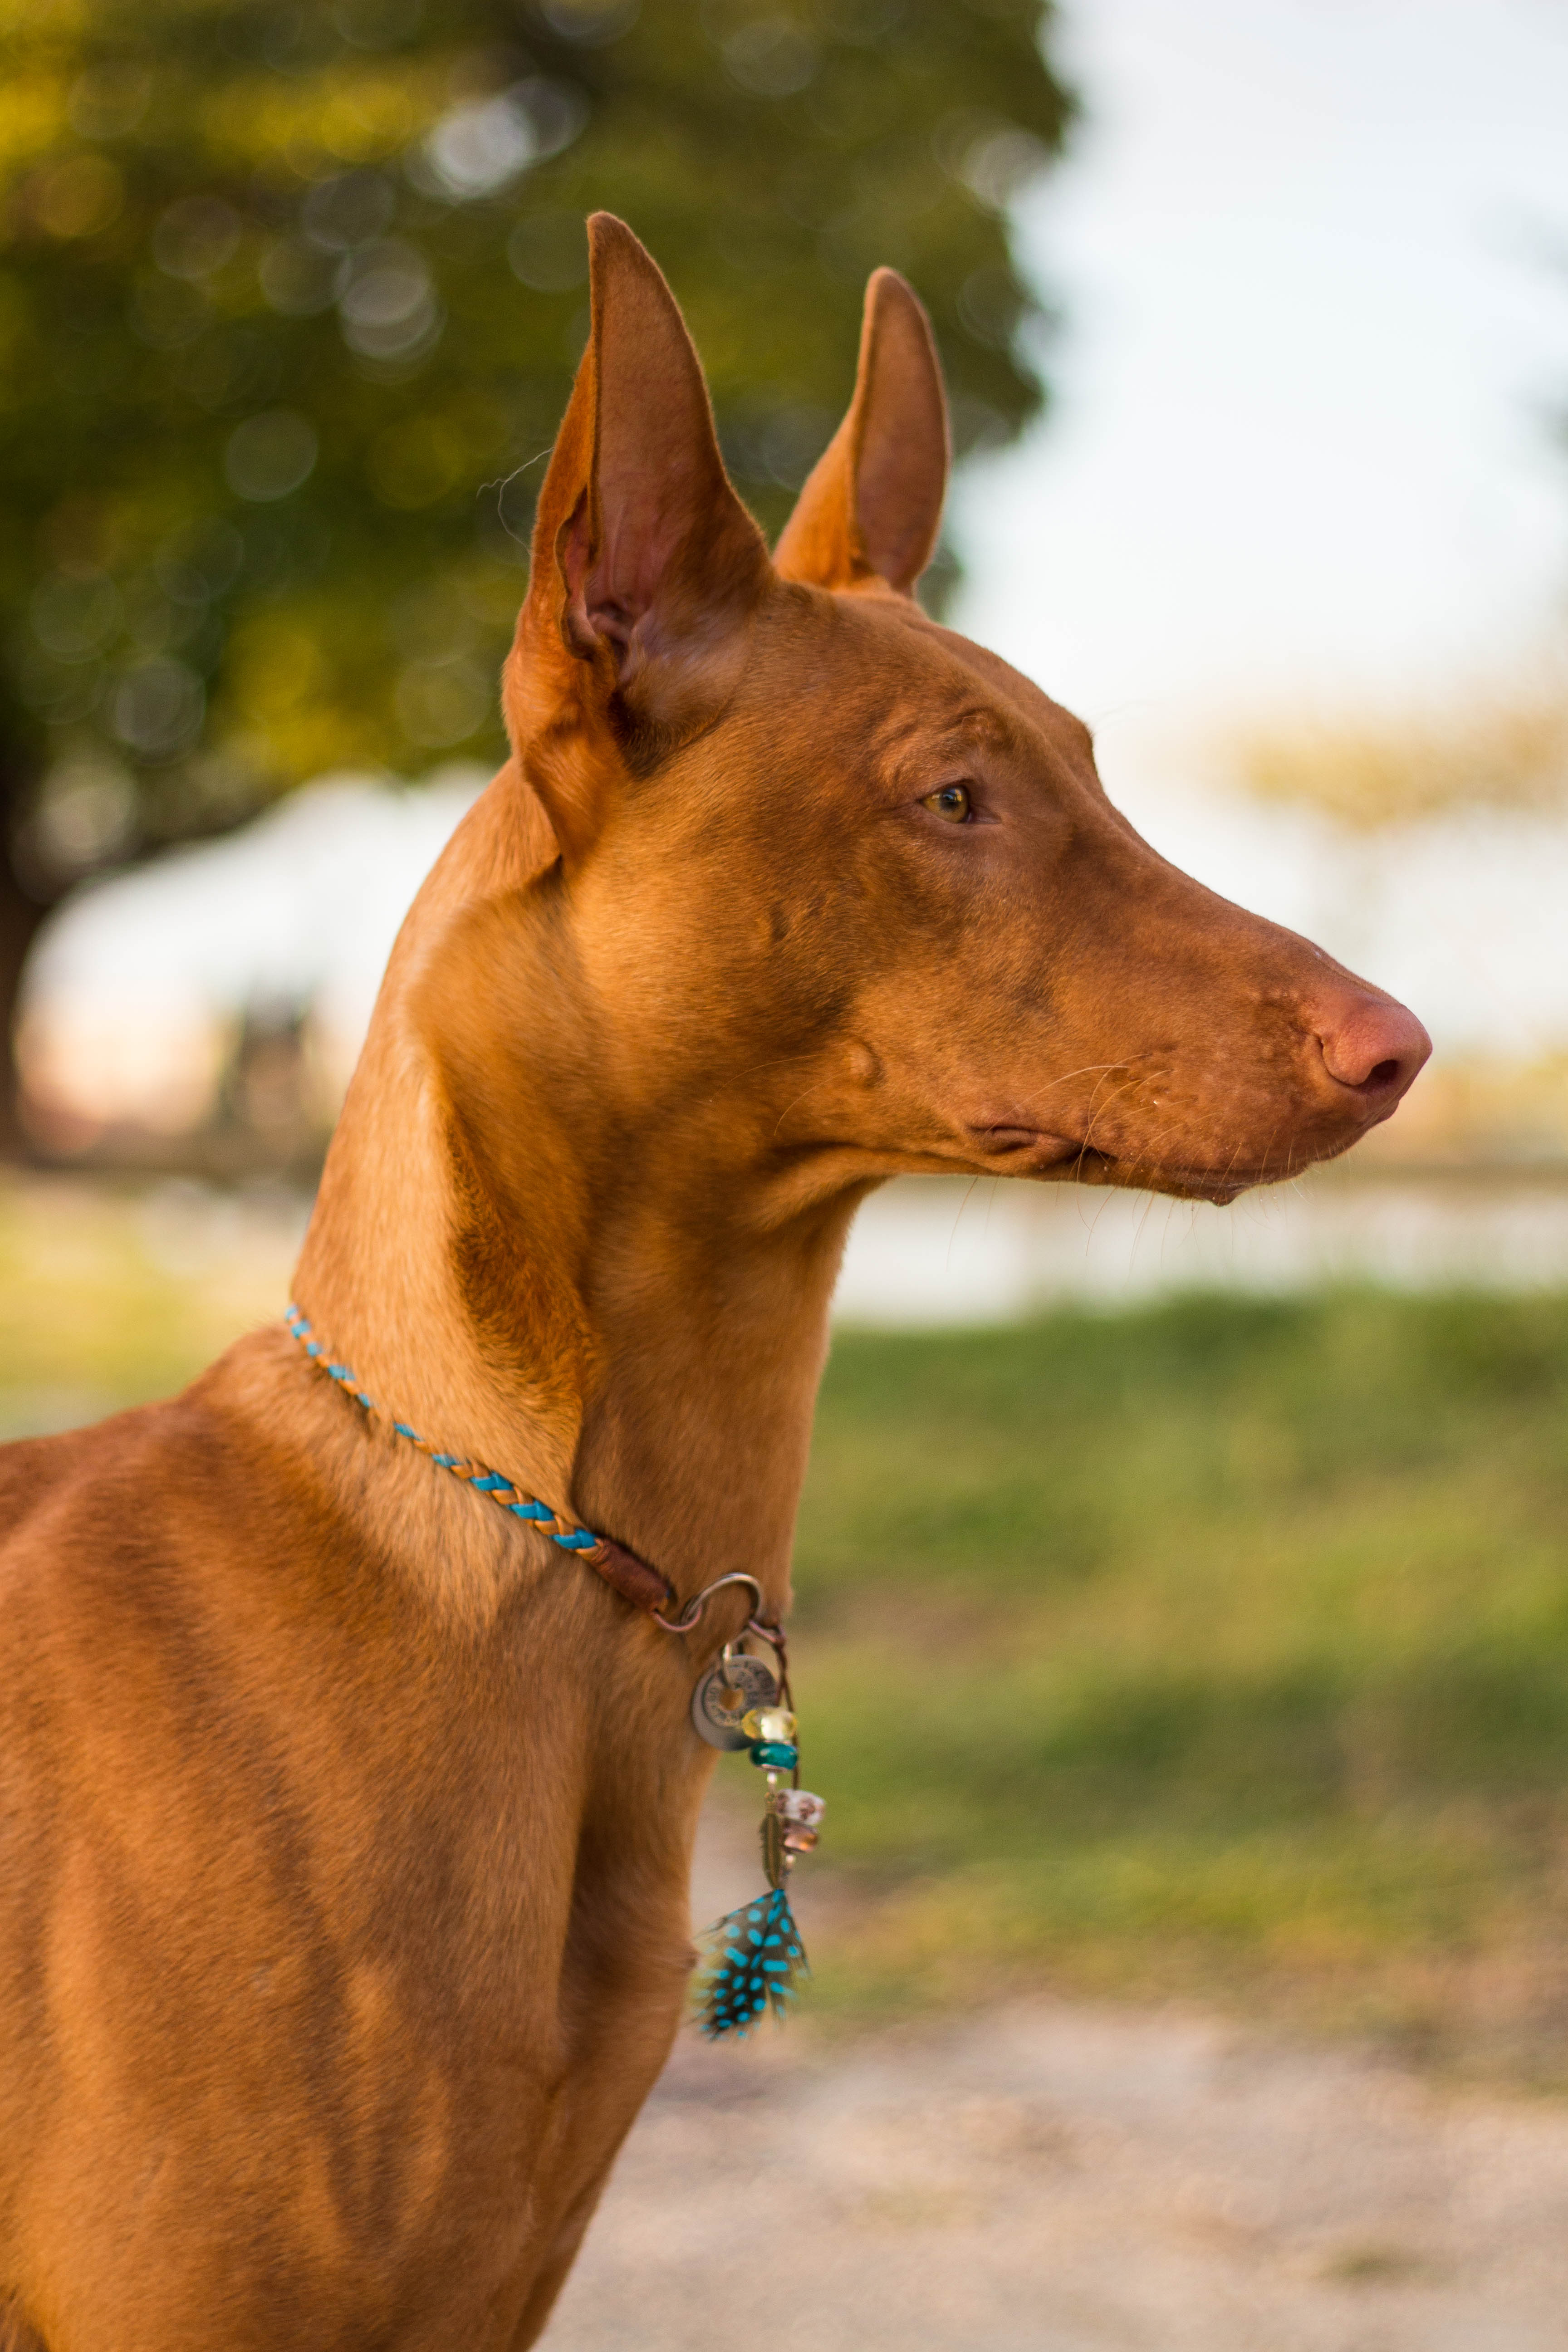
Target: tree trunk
20,918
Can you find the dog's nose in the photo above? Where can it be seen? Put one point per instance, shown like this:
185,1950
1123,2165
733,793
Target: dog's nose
1372,1045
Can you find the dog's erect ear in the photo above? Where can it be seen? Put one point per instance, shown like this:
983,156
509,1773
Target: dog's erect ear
872,506
645,564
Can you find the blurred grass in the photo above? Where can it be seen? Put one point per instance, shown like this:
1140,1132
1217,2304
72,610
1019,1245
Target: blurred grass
110,1293
1215,1649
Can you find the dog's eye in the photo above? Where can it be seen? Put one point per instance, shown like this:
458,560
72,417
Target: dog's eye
951,803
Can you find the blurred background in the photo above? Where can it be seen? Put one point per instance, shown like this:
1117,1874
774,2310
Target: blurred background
1184,1593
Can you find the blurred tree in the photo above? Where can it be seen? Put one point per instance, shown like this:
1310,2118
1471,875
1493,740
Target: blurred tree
1372,770
290,297
1369,771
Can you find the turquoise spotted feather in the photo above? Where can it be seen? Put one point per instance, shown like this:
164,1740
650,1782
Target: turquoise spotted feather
755,1963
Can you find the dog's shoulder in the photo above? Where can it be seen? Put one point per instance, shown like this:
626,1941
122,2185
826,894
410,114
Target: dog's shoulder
87,1516
134,1527
114,1573
74,1469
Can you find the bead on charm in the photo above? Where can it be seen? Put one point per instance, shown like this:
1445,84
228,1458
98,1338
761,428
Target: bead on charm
769,1723
799,1808
799,1816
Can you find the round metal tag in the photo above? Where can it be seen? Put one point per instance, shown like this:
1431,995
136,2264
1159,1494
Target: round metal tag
726,1692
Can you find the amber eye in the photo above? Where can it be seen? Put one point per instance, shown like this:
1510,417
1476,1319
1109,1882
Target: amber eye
951,803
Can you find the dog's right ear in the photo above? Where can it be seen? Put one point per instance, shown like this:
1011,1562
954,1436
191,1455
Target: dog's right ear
646,566
872,506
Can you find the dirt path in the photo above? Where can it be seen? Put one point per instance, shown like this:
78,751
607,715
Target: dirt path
1063,2178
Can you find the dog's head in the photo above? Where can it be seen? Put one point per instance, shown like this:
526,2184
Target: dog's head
846,886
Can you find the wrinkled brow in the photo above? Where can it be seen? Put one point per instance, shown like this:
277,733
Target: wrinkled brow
977,726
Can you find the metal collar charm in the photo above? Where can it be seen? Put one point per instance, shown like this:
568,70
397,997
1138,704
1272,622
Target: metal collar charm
755,1956
754,1960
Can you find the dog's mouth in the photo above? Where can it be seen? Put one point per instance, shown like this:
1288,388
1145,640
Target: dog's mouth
1032,1151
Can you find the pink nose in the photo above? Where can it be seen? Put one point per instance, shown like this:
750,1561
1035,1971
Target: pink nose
1372,1044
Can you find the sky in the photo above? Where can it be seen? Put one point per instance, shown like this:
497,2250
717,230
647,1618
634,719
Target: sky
1313,260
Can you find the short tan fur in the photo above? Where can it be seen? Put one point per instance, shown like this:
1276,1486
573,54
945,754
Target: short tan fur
345,1822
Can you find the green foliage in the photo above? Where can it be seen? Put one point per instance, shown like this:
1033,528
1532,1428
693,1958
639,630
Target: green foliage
290,298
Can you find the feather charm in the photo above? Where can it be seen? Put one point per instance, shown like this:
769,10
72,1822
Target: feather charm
755,1963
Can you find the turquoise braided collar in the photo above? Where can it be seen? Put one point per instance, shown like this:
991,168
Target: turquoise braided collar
559,1529
635,1580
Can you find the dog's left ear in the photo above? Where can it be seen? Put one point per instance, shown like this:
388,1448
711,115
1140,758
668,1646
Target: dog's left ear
645,565
872,506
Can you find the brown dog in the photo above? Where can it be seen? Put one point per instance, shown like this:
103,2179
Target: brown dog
346,1821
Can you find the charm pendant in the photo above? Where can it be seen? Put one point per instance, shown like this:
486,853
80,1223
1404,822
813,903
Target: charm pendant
738,1685
755,1959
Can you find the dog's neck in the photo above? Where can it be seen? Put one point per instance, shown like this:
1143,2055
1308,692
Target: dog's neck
545,1261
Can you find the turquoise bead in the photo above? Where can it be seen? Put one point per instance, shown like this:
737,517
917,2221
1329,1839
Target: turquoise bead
776,1754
